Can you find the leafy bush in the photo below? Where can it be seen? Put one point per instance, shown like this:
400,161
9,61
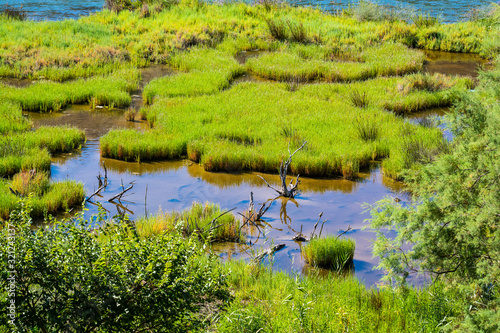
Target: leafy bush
73,278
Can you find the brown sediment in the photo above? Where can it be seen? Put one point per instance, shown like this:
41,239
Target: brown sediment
449,63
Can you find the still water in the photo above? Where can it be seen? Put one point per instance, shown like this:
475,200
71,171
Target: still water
449,10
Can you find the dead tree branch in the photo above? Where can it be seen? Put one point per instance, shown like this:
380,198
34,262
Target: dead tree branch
119,195
285,191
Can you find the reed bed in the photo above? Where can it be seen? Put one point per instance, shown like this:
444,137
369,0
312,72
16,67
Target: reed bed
252,125
111,91
198,219
330,253
387,59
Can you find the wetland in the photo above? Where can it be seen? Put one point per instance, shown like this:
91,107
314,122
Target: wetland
196,103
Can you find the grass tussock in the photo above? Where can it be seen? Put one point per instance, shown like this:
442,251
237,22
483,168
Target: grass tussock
330,253
47,198
202,219
247,127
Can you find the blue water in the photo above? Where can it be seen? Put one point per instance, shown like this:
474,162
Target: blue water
449,10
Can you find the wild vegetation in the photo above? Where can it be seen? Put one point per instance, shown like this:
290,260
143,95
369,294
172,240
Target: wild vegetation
25,163
154,274
451,229
206,221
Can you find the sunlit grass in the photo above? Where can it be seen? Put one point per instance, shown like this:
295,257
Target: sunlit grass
112,91
245,128
387,59
203,219
330,252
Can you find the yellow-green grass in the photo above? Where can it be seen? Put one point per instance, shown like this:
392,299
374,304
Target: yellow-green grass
209,71
269,301
400,95
25,157
12,119
252,125
102,42
196,219
112,91
56,197
387,59
330,252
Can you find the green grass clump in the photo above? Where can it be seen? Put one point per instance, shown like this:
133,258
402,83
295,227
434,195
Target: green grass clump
330,252
197,219
12,119
387,59
47,197
25,163
247,127
112,91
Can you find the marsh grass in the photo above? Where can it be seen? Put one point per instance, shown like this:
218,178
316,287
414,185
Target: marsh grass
198,219
208,71
266,300
130,115
247,127
367,128
330,253
384,60
30,182
44,96
55,197
277,29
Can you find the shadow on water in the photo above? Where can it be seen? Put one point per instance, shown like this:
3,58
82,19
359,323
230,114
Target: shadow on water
174,185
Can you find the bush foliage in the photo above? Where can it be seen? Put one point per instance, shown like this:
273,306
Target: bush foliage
72,277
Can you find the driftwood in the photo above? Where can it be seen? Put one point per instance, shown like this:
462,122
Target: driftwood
96,192
299,237
15,192
254,215
119,195
269,251
284,191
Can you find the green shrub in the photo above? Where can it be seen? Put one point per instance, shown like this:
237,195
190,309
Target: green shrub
75,277
330,252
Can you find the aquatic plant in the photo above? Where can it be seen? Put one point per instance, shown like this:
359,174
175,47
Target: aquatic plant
330,252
